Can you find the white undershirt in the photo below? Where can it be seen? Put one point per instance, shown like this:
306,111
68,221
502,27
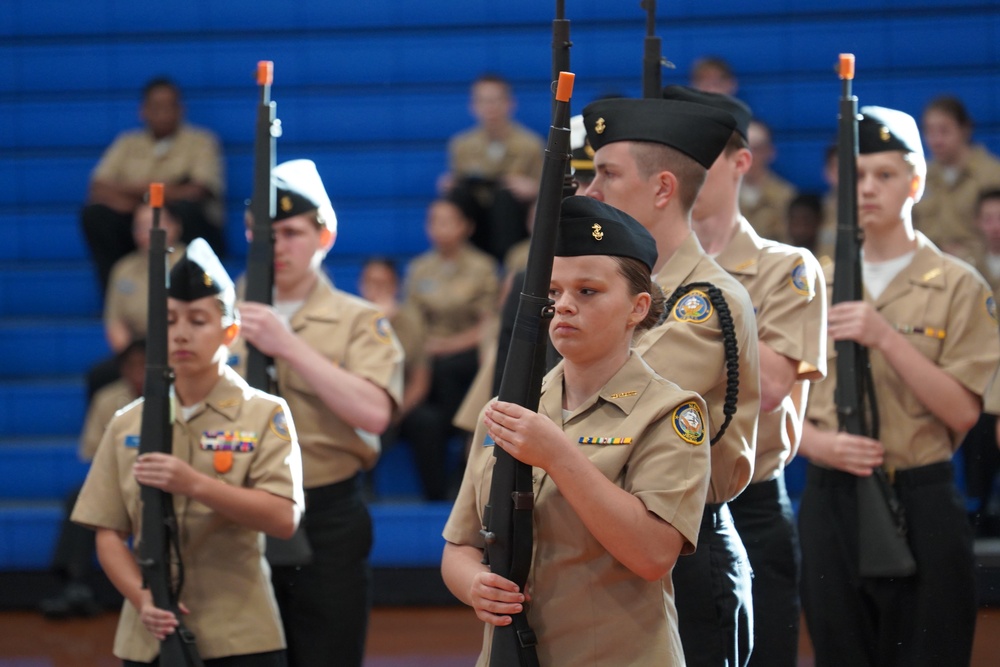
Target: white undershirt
188,411
287,309
877,275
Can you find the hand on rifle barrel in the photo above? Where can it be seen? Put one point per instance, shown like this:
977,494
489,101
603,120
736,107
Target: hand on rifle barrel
166,473
263,328
159,622
529,437
860,322
494,598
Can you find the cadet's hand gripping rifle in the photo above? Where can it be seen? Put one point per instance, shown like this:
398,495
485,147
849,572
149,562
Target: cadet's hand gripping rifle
883,550
507,517
159,548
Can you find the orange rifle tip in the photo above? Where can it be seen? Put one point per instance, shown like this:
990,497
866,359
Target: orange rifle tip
156,195
564,89
846,66
265,72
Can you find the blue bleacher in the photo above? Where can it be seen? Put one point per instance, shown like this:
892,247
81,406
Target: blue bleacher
371,91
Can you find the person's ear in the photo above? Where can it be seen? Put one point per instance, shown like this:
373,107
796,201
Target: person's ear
326,238
640,308
231,332
666,188
914,186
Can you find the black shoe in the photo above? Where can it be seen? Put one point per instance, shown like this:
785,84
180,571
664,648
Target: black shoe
75,599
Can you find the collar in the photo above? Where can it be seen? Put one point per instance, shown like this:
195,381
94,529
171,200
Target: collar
319,304
926,269
622,390
680,265
226,397
742,254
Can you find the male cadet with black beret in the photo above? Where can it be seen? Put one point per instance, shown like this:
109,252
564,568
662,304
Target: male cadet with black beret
929,323
651,159
788,292
234,471
340,368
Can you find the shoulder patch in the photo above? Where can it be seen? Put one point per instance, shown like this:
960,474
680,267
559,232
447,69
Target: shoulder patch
991,308
382,329
799,280
279,424
689,423
695,306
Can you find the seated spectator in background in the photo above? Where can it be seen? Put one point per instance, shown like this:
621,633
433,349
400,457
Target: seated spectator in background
956,174
765,196
454,288
125,302
805,217
379,283
185,158
73,560
988,224
494,167
712,74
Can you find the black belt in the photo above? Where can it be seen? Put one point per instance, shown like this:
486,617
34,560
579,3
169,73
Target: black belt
769,489
322,496
934,473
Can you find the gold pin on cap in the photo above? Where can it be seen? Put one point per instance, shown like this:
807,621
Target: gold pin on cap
598,234
599,126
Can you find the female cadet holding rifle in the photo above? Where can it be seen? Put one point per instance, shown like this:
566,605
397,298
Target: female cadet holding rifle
234,472
620,460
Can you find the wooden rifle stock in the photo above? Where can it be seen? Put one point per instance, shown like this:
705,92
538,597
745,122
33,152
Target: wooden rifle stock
158,539
507,516
882,547
260,257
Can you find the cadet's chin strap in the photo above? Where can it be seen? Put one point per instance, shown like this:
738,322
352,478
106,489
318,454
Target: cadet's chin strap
730,345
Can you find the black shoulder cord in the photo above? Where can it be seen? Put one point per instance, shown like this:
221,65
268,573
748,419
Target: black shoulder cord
729,343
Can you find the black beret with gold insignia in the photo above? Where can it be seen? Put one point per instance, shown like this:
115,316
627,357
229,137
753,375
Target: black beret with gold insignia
881,129
738,109
198,274
695,130
590,227
299,189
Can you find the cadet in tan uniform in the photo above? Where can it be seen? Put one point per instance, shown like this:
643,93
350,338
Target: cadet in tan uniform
454,287
620,460
765,196
651,160
789,296
234,472
958,172
340,368
929,323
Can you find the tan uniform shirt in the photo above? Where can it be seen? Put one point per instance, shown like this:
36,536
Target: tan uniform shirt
788,292
106,402
934,293
128,290
520,153
587,608
354,335
227,585
452,295
991,400
688,349
410,330
826,238
193,154
947,211
766,206
479,394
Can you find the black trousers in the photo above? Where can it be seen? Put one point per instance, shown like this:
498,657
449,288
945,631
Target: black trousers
920,621
325,605
764,520
74,555
498,214
269,659
712,592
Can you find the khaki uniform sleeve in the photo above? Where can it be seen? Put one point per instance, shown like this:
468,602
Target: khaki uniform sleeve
101,503
465,520
206,162
375,354
109,167
277,467
791,320
971,346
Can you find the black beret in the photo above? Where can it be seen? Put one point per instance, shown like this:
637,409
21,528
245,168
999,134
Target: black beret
738,109
590,227
299,189
698,131
881,129
198,274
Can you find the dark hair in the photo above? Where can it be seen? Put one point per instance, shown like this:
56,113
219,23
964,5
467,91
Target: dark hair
492,77
951,106
636,274
712,62
807,200
379,260
985,196
651,158
736,142
135,346
160,82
